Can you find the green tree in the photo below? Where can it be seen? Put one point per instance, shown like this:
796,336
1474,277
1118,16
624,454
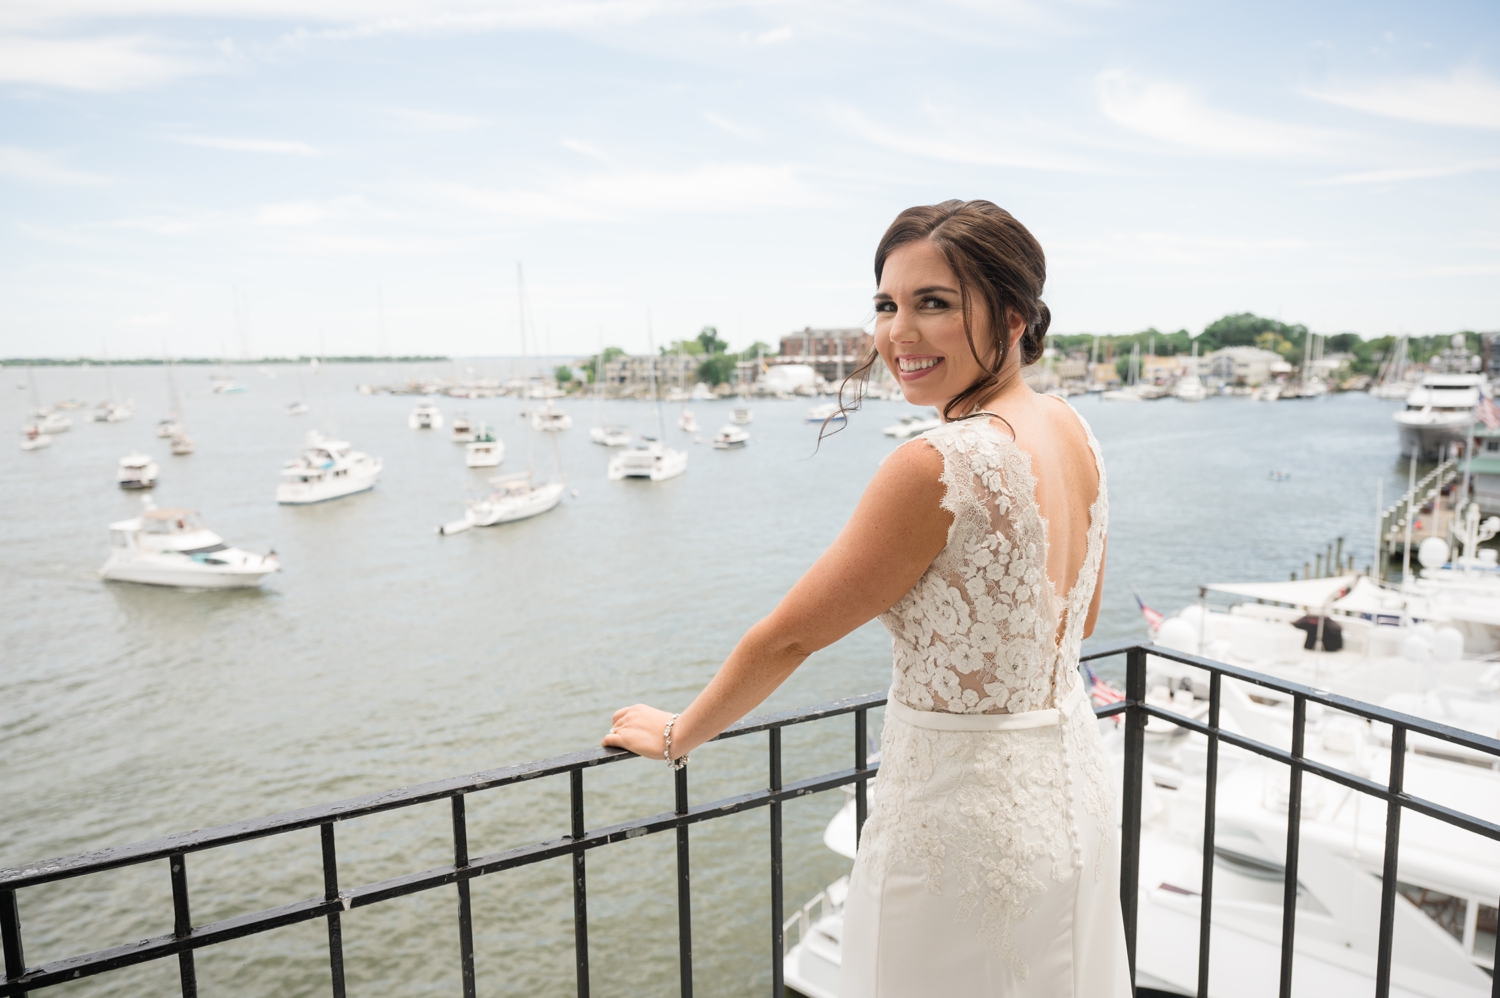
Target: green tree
690,347
563,373
1242,328
757,348
709,340
717,370
594,362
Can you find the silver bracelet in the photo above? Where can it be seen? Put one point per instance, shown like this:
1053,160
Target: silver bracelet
667,752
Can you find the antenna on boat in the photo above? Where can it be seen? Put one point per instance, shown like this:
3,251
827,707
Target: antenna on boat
661,426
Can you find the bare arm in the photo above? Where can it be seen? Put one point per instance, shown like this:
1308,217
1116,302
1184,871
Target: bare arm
1093,617
896,531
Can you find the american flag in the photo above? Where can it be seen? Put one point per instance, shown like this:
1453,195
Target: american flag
1487,412
1101,692
1153,618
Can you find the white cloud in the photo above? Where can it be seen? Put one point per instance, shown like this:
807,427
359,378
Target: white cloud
276,147
732,127
27,164
774,36
1467,99
120,63
585,149
1018,146
1171,113
295,213
1396,176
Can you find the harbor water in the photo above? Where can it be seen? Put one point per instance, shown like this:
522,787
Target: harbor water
384,655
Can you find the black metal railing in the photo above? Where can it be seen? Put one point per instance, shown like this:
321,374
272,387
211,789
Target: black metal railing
186,938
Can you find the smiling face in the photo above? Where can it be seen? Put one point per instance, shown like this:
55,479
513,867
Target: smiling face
919,326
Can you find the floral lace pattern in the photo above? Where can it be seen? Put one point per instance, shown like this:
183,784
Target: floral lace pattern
996,811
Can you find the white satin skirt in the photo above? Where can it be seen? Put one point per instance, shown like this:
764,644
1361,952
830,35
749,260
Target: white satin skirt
902,939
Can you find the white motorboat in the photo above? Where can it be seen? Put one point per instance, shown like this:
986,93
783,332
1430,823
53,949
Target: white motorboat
168,428
52,422
1190,388
828,412
223,384
111,412
426,416
462,431
137,471
298,408
32,438
515,498
326,469
550,420
484,451
170,547
1128,394
910,426
687,422
182,444
731,437
650,459
702,393
1439,411
741,417
71,404
610,436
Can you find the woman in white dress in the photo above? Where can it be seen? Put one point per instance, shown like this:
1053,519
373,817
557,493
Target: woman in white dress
988,865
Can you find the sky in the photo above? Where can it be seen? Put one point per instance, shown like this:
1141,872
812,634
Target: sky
281,177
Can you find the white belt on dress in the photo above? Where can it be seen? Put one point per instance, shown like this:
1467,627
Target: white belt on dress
939,720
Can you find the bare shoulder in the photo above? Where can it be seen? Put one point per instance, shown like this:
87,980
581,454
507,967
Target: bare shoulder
909,482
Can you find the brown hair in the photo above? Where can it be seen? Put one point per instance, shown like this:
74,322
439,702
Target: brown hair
993,256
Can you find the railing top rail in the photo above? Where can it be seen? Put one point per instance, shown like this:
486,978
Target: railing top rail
1421,725
94,861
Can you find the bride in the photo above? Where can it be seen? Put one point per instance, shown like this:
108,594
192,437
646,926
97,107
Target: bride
988,865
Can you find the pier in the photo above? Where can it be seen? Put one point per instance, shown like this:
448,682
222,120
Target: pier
1383,790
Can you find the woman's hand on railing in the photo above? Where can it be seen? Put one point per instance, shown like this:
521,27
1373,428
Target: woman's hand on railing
640,729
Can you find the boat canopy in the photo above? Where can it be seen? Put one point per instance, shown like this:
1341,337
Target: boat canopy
1310,593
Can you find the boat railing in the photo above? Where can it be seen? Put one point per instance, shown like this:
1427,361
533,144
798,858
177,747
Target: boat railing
1393,518
187,937
804,920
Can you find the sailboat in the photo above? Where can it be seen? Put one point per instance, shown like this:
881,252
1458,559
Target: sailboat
44,418
182,444
1131,391
110,411
1190,387
602,433
651,458
516,496
298,407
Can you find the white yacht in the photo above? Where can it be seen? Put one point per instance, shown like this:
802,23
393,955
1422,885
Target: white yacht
462,431
1190,388
515,497
169,547
702,393
550,420
111,412
426,416
223,384
828,412
182,444
1439,411
910,426
51,422
32,438
741,417
137,471
731,437
326,469
168,427
610,436
650,459
687,422
484,451
298,408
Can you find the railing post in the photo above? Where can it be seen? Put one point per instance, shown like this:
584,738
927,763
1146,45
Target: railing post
778,970
182,923
684,891
1389,866
861,763
1210,799
1293,846
331,893
465,912
10,934
580,887
1130,802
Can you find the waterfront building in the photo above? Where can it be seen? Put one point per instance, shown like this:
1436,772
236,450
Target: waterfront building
631,375
1245,365
1485,470
832,353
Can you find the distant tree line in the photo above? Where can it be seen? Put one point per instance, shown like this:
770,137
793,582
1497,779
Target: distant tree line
1246,329
716,368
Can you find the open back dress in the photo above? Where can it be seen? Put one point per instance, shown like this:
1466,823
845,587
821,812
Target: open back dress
989,864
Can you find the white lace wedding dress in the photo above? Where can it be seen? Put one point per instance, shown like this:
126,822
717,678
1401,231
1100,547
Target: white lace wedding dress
989,864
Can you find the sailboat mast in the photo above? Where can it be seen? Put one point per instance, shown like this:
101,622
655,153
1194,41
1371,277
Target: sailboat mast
661,426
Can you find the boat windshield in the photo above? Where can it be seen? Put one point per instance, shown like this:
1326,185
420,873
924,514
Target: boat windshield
210,549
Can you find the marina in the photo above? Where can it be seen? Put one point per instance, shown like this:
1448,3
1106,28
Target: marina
365,590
